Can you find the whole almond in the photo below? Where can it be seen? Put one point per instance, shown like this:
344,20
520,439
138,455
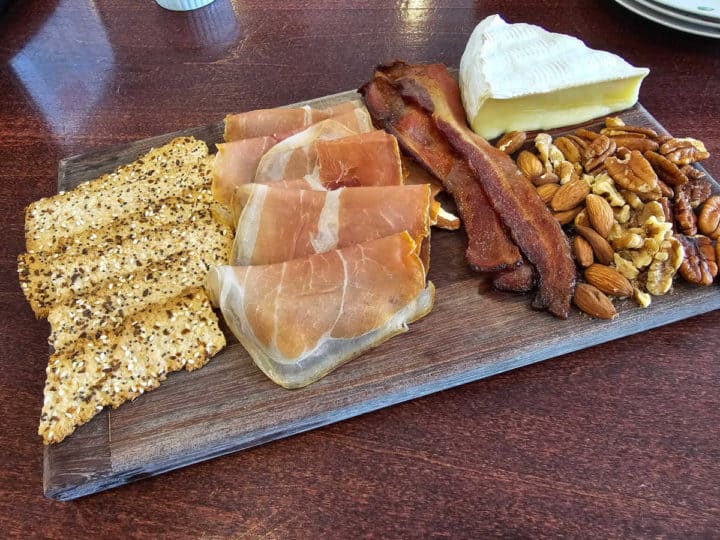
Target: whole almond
546,178
511,142
603,251
566,216
583,251
570,195
608,280
593,301
546,192
600,214
529,164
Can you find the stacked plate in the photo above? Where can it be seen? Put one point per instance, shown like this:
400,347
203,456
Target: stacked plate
701,17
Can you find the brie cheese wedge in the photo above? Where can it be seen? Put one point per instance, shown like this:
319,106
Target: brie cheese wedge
522,77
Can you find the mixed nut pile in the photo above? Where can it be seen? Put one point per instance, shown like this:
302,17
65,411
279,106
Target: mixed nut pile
636,210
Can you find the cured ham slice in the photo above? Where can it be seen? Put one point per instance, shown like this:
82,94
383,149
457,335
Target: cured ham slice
489,246
513,197
253,133
357,296
235,164
365,159
334,161
277,225
296,156
360,160
299,183
280,123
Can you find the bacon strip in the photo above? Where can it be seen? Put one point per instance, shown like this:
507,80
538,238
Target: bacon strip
513,197
489,247
520,279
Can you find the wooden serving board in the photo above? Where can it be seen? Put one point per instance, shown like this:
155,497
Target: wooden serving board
473,332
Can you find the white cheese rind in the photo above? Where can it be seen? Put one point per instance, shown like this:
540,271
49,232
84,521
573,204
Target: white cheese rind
556,79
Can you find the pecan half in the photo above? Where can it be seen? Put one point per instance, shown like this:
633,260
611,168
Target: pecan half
581,143
634,142
692,173
626,130
667,209
666,170
666,190
586,134
598,152
699,265
635,174
684,214
684,151
511,141
697,191
570,149
709,219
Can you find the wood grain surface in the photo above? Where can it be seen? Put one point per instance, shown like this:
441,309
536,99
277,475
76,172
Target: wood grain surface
619,440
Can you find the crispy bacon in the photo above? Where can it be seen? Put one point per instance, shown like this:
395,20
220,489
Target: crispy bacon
489,247
532,226
520,279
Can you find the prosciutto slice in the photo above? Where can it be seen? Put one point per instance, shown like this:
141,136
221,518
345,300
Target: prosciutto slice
280,123
296,156
277,225
357,297
236,163
360,160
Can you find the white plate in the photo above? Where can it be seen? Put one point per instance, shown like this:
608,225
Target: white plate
677,15
672,22
706,9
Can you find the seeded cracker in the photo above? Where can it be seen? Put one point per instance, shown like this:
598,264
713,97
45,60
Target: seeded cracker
159,174
121,365
176,209
47,281
124,296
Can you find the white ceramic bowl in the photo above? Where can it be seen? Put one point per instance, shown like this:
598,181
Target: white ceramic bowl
183,5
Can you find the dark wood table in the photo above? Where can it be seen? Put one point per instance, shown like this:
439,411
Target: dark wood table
620,440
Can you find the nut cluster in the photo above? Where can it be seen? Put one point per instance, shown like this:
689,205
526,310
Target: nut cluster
636,209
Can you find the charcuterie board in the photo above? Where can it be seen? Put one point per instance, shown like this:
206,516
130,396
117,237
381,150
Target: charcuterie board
473,332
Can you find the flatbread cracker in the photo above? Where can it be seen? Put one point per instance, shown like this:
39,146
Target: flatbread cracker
105,308
161,173
51,278
119,366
